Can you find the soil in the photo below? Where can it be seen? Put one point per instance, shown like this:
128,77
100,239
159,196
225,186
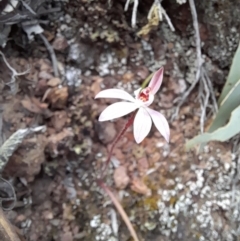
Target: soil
168,193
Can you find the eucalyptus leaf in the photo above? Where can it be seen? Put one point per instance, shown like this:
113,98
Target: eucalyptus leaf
229,103
222,134
233,76
12,143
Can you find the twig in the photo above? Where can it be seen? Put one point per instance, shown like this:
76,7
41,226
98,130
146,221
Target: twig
199,58
126,5
12,82
52,54
209,83
127,125
120,210
134,12
151,11
7,199
28,7
162,11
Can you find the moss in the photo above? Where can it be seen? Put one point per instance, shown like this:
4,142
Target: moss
151,202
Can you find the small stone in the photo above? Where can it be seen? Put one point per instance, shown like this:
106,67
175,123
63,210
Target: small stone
106,131
143,165
121,178
67,237
60,43
55,222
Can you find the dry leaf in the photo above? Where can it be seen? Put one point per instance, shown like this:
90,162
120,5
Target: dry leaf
27,104
54,82
96,86
153,22
37,102
55,138
139,187
128,77
58,97
59,120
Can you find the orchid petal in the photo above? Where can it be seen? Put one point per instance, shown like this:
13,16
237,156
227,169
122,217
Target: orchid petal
142,125
117,110
156,81
115,93
160,122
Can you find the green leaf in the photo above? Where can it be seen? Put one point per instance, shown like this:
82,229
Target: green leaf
146,81
229,103
222,134
233,76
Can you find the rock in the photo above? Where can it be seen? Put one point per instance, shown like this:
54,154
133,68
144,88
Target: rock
106,131
60,43
67,237
121,178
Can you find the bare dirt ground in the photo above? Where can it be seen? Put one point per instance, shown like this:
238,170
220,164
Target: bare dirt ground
169,194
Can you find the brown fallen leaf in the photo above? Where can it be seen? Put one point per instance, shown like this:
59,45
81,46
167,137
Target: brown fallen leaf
56,138
54,82
59,119
40,104
34,105
45,75
67,212
138,186
30,106
49,35
96,86
128,77
45,64
58,97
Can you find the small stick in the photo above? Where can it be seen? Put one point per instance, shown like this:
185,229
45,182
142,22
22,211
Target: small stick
128,124
120,210
162,11
134,13
52,54
215,105
12,82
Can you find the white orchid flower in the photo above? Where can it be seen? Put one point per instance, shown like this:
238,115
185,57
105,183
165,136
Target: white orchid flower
143,98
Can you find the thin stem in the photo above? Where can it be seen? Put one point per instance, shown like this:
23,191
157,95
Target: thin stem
52,54
120,209
127,125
